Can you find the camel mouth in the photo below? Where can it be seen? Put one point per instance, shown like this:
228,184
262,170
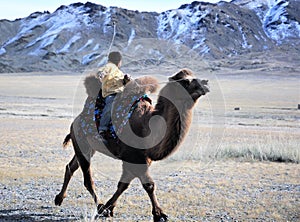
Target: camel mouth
204,86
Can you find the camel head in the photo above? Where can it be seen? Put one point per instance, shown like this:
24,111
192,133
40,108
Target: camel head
194,86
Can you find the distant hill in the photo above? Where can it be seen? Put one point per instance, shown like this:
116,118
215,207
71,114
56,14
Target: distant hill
79,35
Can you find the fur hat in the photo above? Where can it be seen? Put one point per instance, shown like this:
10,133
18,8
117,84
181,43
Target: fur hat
115,57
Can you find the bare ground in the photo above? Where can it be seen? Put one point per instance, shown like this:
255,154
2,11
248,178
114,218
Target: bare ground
229,190
35,117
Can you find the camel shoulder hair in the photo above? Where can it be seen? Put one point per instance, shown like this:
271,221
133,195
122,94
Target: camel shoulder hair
143,84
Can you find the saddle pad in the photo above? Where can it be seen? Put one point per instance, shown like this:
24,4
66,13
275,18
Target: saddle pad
122,111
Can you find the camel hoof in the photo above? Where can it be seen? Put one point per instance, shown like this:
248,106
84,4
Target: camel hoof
161,218
104,212
58,200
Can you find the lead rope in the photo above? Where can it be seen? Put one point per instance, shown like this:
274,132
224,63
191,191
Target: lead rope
113,38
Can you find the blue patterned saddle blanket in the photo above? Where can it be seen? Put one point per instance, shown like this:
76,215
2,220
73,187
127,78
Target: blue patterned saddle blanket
122,111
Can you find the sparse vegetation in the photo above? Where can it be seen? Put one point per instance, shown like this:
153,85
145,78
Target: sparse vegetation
238,178
281,147
246,144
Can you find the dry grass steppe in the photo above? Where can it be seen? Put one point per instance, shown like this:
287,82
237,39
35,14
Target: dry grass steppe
235,165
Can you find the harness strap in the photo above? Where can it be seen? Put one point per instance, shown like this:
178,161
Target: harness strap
136,102
132,108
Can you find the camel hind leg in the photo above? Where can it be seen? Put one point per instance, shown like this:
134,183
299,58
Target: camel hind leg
84,155
71,167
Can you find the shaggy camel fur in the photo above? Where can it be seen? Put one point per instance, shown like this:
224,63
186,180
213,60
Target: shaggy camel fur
153,133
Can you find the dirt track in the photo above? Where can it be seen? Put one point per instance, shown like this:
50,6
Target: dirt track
35,119
187,190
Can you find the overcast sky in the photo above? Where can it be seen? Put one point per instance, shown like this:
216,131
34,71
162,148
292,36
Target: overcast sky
12,9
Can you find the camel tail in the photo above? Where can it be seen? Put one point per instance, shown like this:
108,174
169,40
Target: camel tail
67,140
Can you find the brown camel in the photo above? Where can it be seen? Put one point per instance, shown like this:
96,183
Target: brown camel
152,134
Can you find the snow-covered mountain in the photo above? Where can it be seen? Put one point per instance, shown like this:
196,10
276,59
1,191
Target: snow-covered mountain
280,18
76,36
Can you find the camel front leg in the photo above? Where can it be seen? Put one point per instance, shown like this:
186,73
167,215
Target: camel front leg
107,209
149,186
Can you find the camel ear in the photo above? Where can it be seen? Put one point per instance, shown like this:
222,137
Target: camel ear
182,74
177,76
204,82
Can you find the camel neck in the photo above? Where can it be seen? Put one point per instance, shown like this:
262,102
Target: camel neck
178,120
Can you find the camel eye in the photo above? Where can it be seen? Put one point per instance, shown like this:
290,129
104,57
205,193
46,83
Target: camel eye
186,82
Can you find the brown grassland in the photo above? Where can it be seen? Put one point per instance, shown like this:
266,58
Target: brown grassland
235,165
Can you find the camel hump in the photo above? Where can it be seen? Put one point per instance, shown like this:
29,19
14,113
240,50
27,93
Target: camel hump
141,85
92,85
148,83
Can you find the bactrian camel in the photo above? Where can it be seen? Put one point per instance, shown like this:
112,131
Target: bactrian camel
152,134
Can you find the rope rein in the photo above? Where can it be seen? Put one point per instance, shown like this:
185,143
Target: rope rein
113,37
150,84
159,83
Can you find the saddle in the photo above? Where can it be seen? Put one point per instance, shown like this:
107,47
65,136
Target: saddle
123,107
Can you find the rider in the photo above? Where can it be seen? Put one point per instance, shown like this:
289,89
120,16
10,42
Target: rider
113,81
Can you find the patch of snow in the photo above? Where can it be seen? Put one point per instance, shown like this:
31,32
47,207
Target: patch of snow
69,43
179,24
2,51
87,59
37,52
285,31
138,47
276,13
262,36
276,24
63,20
44,41
87,44
102,61
131,37
205,50
107,21
258,3
48,41
68,18
245,43
156,54
43,44
26,28
200,43
257,37
96,47
217,18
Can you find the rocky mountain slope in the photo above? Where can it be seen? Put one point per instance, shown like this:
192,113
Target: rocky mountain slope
78,36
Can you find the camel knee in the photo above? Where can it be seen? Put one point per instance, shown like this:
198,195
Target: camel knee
72,166
89,184
122,186
149,187
69,172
